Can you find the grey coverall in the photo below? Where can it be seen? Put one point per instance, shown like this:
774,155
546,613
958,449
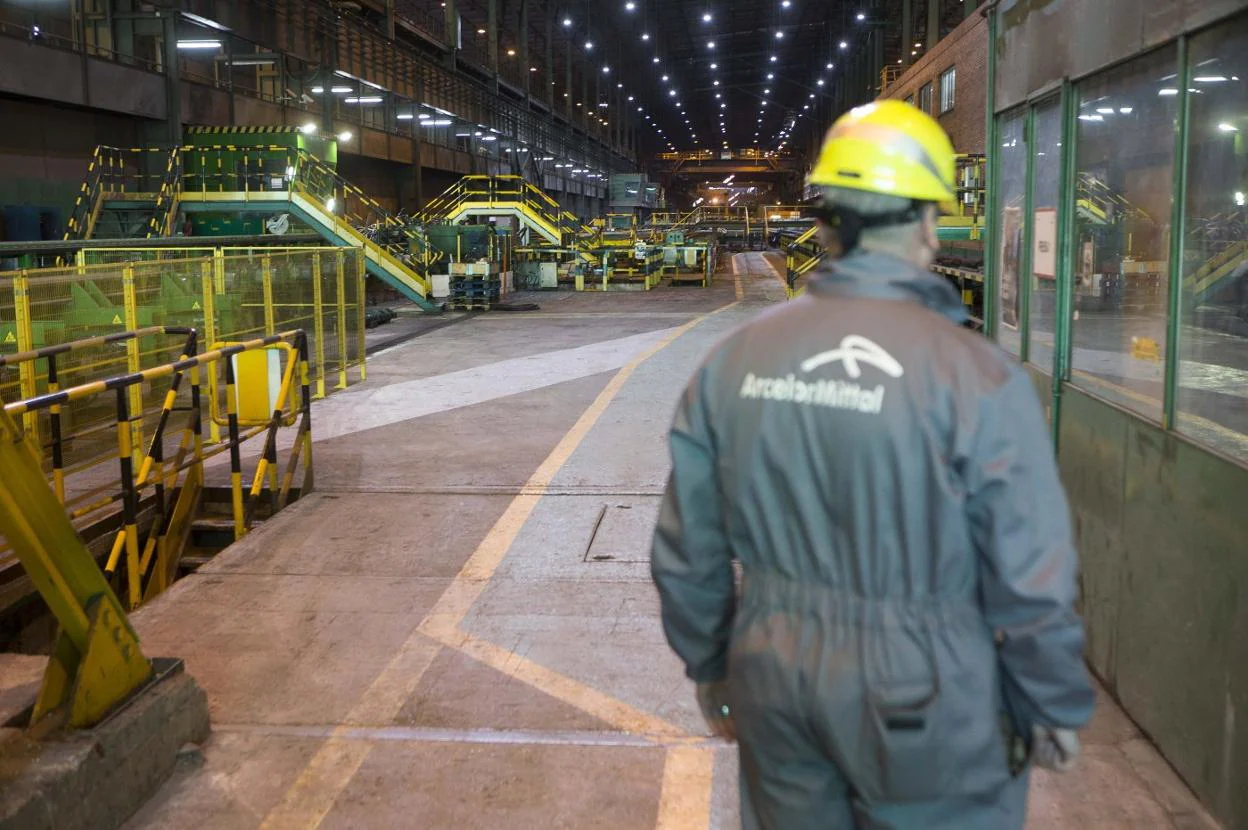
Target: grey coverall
885,479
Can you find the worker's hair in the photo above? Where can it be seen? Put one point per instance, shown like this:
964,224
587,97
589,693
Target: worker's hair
882,221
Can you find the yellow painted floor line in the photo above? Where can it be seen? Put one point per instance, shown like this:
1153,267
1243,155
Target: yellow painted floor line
606,708
685,797
331,769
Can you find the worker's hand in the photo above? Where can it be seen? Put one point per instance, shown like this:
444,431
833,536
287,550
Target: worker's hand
713,698
1054,749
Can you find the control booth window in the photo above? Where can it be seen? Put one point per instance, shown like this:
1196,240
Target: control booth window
925,98
1120,247
948,84
1213,340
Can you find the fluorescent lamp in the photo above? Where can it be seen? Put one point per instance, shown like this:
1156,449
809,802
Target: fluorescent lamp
1228,128
405,116
199,44
438,122
1210,79
367,99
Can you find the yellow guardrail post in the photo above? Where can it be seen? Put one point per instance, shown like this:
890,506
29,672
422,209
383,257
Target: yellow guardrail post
266,279
207,275
134,360
96,662
318,324
27,377
341,285
360,276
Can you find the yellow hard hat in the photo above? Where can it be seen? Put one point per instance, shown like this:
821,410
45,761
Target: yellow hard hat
889,147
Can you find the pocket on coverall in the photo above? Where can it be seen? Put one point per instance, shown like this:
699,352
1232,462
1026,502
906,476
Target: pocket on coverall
930,726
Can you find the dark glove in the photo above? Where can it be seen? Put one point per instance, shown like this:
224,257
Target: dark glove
713,698
1054,749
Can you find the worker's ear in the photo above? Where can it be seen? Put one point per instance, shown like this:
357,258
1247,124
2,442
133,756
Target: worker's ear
931,225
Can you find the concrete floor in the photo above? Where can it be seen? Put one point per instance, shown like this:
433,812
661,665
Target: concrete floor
457,630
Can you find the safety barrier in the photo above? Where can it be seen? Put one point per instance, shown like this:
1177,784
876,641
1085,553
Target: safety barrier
225,298
151,559
803,254
97,661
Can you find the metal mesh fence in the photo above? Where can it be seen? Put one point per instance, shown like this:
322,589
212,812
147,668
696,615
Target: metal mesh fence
248,293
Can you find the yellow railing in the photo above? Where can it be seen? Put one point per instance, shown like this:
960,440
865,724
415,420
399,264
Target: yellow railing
512,193
174,482
225,298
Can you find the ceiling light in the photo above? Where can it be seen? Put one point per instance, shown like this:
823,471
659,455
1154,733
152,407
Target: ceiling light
630,97
630,6
671,93
716,83
1127,110
345,135
1210,79
779,35
645,35
664,79
199,44
844,45
589,44
766,91
308,128
511,53
480,31
829,66
1228,128
771,76
710,44
1105,110
606,69
567,21
706,18
785,4
861,17
656,59
774,58
820,82
1168,91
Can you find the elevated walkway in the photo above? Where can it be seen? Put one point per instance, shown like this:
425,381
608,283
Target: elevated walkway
116,197
513,196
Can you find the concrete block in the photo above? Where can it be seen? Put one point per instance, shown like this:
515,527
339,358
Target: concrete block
97,778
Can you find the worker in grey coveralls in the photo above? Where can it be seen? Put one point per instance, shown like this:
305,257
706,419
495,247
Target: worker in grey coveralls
903,644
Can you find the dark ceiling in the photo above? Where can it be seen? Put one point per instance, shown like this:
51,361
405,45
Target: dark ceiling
759,80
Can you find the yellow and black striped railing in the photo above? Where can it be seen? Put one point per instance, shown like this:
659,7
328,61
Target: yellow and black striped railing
150,561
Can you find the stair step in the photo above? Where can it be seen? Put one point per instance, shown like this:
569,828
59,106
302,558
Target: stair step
213,523
193,563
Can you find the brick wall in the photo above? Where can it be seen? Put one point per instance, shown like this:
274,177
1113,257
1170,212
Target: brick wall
966,47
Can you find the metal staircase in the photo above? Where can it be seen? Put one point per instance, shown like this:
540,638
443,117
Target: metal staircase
481,196
136,193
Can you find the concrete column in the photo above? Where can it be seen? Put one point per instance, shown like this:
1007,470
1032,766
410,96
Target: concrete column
524,48
585,97
452,25
933,24
173,85
877,55
567,85
907,31
491,34
550,59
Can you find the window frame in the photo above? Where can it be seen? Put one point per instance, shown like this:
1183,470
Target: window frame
925,92
952,74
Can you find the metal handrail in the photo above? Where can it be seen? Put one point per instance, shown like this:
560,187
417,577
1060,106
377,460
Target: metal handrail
171,493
